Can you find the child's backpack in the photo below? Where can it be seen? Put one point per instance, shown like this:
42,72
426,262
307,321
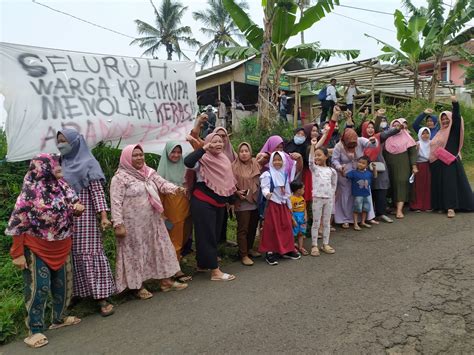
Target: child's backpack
323,94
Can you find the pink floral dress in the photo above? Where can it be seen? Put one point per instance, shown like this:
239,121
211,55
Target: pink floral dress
146,252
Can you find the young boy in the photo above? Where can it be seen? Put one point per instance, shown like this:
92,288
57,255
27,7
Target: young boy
361,183
299,216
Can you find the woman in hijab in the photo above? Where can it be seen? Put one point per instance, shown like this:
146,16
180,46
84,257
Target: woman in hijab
344,159
92,273
213,191
380,185
231,155
176,206
42,226
144,248
276,144
422,183
400,155
247,175
450,189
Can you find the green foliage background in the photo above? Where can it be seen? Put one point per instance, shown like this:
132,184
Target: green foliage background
11,177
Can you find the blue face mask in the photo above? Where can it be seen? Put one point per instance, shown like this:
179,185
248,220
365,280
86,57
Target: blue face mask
299,140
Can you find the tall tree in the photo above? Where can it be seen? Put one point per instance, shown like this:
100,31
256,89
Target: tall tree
220,27
443,33
167,32
410,38
270,43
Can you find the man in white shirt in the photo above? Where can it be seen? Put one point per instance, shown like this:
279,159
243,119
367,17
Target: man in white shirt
350,92
221,111
331,100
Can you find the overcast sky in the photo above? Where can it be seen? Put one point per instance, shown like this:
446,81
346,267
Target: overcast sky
26,22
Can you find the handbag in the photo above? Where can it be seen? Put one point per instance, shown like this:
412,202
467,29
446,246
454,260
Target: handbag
379,166
445,156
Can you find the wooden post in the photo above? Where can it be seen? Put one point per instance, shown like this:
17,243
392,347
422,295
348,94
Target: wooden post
373,92
296,109
232,106
219,92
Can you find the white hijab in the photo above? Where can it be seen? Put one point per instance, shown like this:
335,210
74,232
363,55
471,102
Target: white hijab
279,177
423,146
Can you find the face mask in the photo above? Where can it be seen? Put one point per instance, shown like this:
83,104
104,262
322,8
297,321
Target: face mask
64,148
299,140
383,124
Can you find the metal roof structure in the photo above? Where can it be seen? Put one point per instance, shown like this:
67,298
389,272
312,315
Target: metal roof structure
370,74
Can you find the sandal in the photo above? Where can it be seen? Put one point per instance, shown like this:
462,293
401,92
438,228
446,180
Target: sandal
400,216
106,308
69,320
373,221
144,294
333,229
345,225
175,286
315,251
303,251
224,277
451,213
328,249
357,228
366,225
36,340
181,277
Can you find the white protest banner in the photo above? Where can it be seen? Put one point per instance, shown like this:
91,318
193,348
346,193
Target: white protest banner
105,97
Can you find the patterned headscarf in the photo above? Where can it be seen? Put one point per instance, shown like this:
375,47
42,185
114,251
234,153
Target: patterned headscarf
45,206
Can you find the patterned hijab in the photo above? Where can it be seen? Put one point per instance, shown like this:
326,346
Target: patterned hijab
216,171
247,174
79,166
441,138
145,174
228,150
171,171
44,208
371,152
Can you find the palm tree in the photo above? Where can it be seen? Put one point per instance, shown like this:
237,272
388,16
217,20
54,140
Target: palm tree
167,33
220,27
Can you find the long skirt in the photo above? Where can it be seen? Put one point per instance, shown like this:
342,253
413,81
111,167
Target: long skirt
177,211
450,187
422,188
277,234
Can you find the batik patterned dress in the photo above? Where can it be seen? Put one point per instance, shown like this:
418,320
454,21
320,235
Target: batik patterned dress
92,274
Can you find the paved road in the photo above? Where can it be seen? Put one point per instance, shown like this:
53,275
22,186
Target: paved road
400,288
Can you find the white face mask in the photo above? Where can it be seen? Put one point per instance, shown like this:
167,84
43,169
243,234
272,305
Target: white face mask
383,125
64,148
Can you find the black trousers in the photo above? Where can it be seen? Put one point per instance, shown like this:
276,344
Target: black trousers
379,198
207,221
327,106
222,236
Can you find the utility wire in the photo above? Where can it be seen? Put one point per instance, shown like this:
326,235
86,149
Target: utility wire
94,24
368,10
366,23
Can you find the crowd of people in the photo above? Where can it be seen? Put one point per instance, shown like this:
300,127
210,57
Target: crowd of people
343,179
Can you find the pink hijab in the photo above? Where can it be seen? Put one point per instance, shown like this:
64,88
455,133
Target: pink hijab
216,171
228,150
145,174
441,138
269,147
400,142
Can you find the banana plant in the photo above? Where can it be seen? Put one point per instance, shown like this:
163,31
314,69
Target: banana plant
410,38
270,44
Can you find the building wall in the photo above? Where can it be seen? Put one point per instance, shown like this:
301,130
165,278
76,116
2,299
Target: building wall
457,72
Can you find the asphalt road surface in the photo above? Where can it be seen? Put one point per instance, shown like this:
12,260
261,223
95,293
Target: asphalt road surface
407,287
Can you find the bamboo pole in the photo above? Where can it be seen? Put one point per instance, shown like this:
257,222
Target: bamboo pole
296,108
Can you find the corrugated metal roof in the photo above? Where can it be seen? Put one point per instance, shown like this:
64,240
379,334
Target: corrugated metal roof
221,68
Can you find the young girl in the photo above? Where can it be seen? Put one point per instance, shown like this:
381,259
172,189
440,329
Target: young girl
277,234
422,185
324,189
42,227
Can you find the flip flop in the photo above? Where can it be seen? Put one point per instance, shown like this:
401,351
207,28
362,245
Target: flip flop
144,294
37,340
69,320
224,277
103,308
183,278
345,225
175,286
